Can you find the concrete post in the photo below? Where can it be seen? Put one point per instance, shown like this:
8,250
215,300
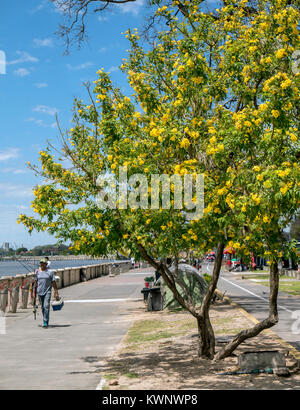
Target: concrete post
4,286
25,289
14,290
104,269
97,270
60,274
126,266
76,275
96,267
66,273
88,272
72,276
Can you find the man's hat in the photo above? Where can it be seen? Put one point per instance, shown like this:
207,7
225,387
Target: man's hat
43,260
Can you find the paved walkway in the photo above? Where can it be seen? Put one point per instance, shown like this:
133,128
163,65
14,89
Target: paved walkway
68,355
96,316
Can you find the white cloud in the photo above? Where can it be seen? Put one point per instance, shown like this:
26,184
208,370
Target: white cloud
41,85
80,66
113,69
60,7
9,153
41,123
13,171
19,171
39,7
102,49
9,190
22,72
102,18
24,57
133,8
45,110
47,42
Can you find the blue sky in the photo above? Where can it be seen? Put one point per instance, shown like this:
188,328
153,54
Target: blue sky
41,81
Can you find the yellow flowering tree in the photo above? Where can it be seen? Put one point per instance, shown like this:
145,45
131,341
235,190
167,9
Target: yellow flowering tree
216,95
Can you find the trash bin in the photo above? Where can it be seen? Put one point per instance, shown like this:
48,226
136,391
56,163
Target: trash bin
145,292
155,300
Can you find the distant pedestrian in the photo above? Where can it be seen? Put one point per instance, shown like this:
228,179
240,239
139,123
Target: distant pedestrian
44,280
48,262
132,263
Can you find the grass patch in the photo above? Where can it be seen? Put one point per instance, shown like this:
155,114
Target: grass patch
225,326
131,375
228,331
146,331
152,337
109,376
293,288
266,276
221,321
257,277
150,330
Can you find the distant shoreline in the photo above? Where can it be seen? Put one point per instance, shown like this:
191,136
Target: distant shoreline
54,258
23,267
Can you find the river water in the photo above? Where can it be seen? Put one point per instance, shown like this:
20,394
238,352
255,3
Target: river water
13,268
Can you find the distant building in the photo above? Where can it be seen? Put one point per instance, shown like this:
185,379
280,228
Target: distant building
5,246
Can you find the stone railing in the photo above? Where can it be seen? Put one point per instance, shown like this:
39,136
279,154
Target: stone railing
16,291
291,273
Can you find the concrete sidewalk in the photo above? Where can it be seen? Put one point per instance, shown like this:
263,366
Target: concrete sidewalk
95,318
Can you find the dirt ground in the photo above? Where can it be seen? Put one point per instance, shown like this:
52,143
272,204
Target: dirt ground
160,353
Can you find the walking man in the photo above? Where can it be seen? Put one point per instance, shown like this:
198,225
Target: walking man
44,280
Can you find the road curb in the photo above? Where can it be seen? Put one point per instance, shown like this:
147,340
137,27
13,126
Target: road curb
291,349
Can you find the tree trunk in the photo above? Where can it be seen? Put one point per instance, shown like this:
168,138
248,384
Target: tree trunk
206,337
259,327
206,333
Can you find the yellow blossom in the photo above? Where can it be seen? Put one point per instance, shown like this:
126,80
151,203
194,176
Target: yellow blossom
275,113
280,53
184,143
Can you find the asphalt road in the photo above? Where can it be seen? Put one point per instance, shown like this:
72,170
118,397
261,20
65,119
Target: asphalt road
68,355
254,298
